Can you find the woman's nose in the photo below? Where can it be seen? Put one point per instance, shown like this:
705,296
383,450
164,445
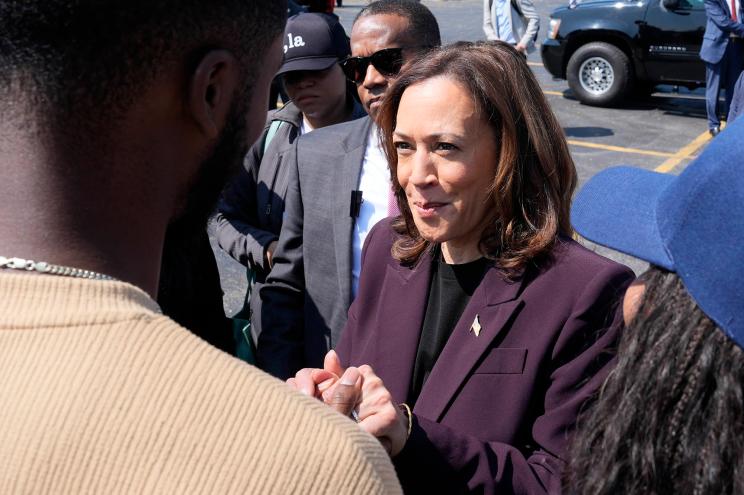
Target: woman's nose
423,172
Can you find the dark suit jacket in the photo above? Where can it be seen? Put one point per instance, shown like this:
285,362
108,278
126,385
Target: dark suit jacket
251,210
495,414
717,30
308,292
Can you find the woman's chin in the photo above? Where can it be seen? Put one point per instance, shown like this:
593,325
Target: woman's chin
432,235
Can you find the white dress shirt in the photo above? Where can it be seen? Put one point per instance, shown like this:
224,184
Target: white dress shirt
375,186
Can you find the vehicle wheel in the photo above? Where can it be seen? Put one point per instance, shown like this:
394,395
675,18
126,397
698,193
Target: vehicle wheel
599,74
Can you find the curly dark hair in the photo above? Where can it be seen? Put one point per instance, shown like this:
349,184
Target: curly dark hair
535,175
670,417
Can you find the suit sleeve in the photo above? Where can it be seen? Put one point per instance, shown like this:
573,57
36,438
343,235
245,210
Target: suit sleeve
437,458
533,22
488,28
236,215
280,349
722,19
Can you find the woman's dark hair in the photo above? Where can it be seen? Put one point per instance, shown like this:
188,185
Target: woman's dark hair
535,175
670,417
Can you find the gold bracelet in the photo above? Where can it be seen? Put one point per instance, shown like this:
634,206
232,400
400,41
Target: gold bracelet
408,412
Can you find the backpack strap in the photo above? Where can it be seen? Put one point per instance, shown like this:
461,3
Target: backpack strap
273,128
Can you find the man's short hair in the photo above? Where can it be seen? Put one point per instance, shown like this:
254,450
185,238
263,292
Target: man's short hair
78,57
423,26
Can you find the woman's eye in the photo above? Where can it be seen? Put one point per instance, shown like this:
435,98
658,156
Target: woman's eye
402,145
446,146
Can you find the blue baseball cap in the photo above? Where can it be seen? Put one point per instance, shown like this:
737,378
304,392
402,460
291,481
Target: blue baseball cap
691,224
313,42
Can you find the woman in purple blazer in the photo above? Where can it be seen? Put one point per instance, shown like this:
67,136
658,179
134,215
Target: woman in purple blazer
480,327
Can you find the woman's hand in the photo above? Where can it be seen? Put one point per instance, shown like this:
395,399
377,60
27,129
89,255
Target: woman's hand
343,390
379,415
340,389
315,381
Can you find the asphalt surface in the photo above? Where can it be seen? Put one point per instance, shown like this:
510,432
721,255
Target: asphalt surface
662,132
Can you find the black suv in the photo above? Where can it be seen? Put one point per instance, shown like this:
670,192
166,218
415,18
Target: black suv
608,48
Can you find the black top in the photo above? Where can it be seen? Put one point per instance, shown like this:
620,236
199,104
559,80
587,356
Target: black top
449,292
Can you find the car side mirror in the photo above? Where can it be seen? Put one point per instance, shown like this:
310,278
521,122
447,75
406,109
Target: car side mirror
670,4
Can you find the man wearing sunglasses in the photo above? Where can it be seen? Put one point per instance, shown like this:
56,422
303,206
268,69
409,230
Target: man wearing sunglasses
339,188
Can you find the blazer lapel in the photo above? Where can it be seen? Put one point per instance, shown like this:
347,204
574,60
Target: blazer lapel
345,181
494,302
402,308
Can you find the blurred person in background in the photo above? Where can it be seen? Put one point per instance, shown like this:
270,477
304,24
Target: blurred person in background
670,417
251,209
723,54
318,6
512,21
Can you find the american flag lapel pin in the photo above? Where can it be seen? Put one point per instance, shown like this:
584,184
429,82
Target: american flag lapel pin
476,327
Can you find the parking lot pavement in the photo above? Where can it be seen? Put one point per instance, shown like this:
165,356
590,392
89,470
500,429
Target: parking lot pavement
662,132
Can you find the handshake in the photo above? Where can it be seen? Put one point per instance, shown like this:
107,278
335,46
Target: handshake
360,394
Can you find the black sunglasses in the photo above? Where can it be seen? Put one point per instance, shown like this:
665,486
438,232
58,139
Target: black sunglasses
387,62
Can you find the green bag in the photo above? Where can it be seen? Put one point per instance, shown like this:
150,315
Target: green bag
241,326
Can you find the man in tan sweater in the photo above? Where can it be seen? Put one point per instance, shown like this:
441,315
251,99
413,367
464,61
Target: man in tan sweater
118,119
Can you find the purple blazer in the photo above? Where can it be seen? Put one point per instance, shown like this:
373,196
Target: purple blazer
497,409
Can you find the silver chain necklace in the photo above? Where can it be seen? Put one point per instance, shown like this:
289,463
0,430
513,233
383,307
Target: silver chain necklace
50,269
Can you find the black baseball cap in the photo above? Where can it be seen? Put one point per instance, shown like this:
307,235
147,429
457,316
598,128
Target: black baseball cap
313,42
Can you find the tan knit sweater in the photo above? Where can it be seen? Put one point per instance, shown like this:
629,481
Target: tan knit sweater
99,393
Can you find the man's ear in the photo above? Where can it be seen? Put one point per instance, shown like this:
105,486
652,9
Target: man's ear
212,88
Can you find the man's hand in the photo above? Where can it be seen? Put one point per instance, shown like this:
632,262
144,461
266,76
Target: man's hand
521,48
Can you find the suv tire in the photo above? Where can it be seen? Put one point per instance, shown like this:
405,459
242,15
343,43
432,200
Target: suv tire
599,74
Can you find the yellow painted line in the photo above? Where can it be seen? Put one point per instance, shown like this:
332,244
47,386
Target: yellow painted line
673,159
621,149
684,153
535,64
